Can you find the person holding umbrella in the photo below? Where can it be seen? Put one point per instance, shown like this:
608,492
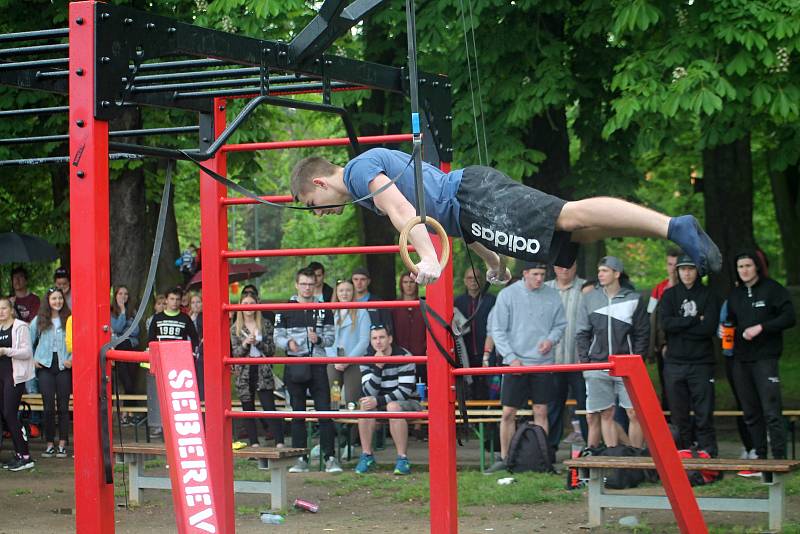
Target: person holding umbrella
16,367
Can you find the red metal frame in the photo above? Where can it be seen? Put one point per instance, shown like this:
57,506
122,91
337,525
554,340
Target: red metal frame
89,220
216,327
89,241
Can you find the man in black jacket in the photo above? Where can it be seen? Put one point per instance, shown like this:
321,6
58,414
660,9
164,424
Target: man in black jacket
689,312
760,310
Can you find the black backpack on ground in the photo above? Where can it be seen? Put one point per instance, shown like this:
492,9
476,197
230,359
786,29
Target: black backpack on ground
619,478
529,451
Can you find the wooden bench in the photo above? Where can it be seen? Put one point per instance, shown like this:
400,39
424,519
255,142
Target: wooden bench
276,460
591,468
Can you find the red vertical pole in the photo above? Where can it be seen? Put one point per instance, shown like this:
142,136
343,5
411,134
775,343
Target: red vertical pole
441,409
89,242
665,454
216,328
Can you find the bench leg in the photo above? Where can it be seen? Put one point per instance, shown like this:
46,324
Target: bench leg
483,449
135,470
277,475
777,508
596,518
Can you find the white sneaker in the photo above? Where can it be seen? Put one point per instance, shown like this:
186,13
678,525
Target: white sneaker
745,455
332,465
752,455
301,466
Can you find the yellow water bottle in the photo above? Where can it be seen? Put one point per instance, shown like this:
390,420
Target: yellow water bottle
336,395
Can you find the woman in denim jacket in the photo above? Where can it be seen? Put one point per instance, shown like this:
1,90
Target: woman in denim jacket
53,368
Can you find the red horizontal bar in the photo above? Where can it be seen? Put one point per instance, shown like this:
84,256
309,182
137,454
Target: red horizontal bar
506,370
280,306
302,143
344,414
127,356
324,251
278,199
289,360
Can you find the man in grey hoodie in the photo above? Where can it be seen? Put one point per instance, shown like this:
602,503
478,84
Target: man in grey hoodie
612,321
528,321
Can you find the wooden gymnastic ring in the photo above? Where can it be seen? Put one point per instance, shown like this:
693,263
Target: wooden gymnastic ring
404,255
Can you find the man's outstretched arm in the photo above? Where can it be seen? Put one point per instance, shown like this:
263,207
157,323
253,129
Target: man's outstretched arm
496,274
400,211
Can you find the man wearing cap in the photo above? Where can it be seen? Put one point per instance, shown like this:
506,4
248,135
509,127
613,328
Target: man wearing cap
361,281
688,314
527,322
760,310
612,321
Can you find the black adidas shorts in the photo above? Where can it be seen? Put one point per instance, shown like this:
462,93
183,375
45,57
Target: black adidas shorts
517,389
512,219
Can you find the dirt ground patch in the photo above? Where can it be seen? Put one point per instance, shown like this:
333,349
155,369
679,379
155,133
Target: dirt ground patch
42,500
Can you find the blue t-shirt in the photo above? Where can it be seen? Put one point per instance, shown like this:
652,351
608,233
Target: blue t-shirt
440,187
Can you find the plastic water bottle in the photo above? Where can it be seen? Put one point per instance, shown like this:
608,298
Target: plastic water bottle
336,395
271,519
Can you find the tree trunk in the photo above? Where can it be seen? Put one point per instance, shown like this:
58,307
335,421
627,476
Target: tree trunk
59,180
129,254
786,196
548,134
728,189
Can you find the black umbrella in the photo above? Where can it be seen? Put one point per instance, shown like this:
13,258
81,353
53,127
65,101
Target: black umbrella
24,248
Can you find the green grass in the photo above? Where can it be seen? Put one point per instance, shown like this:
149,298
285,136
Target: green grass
474,488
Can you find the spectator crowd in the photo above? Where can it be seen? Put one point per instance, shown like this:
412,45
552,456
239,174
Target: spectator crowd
533,321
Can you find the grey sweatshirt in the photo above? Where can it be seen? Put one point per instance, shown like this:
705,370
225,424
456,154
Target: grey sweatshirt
522,318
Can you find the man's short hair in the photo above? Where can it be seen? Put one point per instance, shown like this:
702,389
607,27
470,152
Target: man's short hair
19,270
674,252
316,266
306,170
376,327
61,272
362,271
177,290
305,271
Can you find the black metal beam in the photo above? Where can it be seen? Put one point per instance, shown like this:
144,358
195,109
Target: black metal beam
333,20
34,111
37,63
31,79
38,34
59,159
39,49
255,90
155,88
118,133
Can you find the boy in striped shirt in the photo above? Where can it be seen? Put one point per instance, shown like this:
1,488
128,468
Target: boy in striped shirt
386,387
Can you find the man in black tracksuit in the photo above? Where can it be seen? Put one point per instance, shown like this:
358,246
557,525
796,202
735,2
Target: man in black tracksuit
689,313
760,310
